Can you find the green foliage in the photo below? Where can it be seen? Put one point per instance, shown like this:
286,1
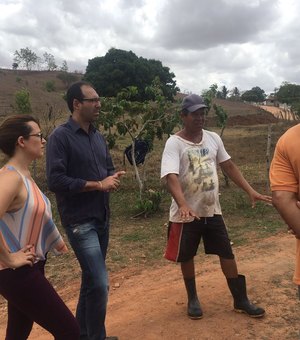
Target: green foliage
149,204
256,94
22,98
213,90
296,108
147,120
235,94
18,79
50,86
26,57
209,95
223,93
221,115
120,69
49,60
289,94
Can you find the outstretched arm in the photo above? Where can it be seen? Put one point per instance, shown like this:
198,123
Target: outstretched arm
233,172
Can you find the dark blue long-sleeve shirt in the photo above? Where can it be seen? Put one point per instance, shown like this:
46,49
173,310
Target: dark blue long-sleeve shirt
74,157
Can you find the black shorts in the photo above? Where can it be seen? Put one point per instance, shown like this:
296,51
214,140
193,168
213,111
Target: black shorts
184,239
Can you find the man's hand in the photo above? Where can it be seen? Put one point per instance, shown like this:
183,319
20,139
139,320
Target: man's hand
119,174
111,183
186,213
256,196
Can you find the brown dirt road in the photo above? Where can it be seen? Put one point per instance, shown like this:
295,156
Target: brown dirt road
279,112
150,304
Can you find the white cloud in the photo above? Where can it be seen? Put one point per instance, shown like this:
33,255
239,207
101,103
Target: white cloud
243,43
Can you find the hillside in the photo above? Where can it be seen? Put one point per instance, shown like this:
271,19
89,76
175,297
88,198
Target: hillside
240,113
12,81
41,100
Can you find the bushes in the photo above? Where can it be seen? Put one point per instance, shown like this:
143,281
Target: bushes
22,98
50,86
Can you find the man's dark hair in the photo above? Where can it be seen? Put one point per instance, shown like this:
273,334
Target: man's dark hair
75,92
11,129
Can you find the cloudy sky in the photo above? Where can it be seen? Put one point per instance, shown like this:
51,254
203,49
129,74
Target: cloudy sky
243,43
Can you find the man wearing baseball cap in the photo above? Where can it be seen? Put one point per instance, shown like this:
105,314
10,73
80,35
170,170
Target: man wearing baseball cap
189,166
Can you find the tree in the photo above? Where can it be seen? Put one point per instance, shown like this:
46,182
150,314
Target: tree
120,69
235,94
256,94
213,90
15,66
222,117
223,93
26,57
149,120
64,67
49,60
22,98
209,94
290,94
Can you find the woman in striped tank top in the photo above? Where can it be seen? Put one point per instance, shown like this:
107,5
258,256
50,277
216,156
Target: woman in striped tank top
27,233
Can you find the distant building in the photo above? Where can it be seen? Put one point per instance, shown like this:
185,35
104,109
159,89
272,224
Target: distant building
271,101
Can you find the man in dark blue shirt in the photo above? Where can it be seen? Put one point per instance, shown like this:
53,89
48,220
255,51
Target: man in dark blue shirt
81,173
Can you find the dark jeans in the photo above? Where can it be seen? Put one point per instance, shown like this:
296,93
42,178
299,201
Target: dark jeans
31,298
89,242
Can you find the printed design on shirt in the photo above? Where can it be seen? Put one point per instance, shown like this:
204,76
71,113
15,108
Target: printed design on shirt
201,170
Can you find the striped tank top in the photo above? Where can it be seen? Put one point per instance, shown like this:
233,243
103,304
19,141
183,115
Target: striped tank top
31,224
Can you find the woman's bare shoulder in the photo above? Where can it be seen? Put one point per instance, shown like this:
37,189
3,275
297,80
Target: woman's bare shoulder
9,178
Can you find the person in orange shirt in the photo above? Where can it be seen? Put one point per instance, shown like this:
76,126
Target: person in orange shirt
285,186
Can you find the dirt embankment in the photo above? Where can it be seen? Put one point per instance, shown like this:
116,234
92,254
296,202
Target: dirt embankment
279,113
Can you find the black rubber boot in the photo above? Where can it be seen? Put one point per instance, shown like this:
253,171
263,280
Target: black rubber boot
194,310
238,290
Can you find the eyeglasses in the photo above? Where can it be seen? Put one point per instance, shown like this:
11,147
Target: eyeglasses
91,100
40,135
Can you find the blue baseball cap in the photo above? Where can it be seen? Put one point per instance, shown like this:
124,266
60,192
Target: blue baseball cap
192,103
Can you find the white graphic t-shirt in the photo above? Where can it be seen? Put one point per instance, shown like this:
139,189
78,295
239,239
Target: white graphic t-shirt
196,167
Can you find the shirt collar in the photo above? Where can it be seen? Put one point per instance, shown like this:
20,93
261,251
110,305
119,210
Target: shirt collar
76,127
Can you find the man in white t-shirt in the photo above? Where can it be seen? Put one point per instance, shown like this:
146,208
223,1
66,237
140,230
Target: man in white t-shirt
189,166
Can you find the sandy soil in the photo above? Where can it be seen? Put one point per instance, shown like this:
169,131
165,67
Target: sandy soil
151,303
279,112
